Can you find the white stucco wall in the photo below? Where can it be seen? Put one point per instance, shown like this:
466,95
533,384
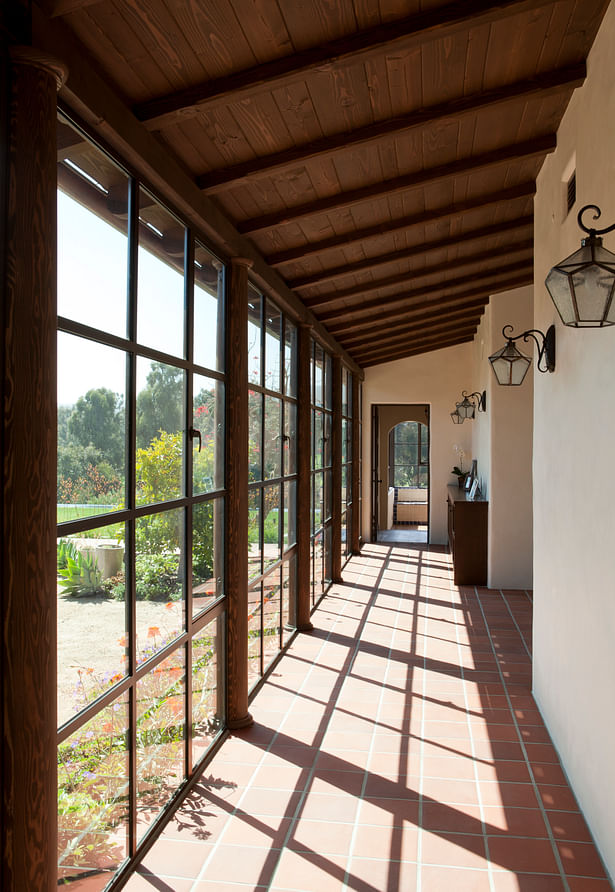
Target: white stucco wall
574,475
436,379
502,444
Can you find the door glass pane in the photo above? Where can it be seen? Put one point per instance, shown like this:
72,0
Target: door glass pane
273,339
93,798
255,421
289,589
290,438
290,513
255,616
161,729
92,243
207,553
271,511
160,287
318,375
271,617
207,687
91,428
160,569
208,419
255,546
254,337
290,360
208,309
273,438
160,426
91,607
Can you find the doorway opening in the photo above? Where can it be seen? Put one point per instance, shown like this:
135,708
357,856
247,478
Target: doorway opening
400,473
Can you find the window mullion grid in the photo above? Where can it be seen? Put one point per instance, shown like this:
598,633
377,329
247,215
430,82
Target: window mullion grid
130,571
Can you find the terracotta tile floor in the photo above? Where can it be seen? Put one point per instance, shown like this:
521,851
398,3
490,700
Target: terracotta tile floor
397,747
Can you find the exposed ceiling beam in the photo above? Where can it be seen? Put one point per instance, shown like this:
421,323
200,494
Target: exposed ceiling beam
454,342
492,283
540,146
433,24
415,323
524,190
411,276
442,329
373,326
370,263
385,353
89,95
542,85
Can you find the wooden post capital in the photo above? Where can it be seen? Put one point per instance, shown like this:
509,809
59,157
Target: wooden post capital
32,58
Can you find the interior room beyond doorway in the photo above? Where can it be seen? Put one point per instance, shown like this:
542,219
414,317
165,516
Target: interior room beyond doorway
401,466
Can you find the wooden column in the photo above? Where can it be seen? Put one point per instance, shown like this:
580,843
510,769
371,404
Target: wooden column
336,472
304,467
28,755
355,534
237,715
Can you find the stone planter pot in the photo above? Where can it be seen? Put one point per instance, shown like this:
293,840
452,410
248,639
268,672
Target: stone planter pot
110,559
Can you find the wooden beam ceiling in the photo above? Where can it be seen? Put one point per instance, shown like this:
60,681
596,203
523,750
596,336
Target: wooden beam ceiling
539,147
403,224
379,172
543,85
434,24
419,250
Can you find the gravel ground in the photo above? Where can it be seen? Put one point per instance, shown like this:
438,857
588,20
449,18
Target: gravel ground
90,633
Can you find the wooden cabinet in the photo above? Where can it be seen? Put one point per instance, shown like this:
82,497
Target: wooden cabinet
467,537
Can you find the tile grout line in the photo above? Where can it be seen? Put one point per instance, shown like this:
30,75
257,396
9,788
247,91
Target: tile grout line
376,725
512,616
542,809
312,770
259,764
479,793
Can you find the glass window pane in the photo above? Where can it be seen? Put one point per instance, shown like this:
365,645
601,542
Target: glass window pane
255,616
208,309
93,798
327,495
160,564
273,438
254,337
207,553
91,428
161,731
255,545
160,281
289,590
289,450
208,419
318,375
207,686
92,236
344,440
328,382
327,441
255,421
271,513
160,426
290,360
272,594
318,501
91,594
290,513
317,427
273,339
317,588
344,392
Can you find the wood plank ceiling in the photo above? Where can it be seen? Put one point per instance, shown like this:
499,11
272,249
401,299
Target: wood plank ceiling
380,154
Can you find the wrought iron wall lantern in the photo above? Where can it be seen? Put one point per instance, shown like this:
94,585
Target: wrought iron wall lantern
582,285
468,406
510,365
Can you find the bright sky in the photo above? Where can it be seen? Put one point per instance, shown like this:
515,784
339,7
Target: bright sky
92,277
